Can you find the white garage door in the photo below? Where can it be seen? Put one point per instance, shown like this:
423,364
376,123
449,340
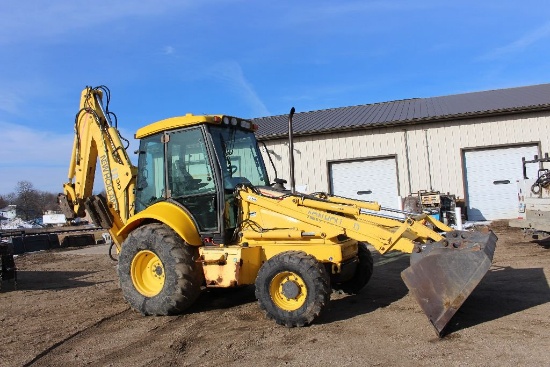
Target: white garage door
369,180
491,181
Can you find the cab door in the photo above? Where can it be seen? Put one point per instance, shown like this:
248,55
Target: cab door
191,179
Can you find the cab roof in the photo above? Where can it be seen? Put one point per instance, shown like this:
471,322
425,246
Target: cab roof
177,122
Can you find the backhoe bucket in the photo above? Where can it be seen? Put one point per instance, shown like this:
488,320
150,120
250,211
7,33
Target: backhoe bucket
443,274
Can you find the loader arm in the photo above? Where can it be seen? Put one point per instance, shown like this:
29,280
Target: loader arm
334,216
445,265
97,140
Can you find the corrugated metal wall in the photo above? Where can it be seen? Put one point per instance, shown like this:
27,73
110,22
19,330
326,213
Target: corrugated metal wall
442,142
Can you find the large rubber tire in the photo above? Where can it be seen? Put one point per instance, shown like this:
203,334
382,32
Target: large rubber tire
158,272
363,273
293,288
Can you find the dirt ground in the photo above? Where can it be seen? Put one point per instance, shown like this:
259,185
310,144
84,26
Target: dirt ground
67,310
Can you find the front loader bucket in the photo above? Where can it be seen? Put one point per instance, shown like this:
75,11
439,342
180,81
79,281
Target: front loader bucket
443,274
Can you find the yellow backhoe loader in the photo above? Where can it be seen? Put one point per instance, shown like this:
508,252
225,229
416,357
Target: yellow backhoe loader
199,211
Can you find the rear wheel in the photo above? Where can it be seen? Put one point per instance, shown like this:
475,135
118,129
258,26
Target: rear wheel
158,272
363,272
292,288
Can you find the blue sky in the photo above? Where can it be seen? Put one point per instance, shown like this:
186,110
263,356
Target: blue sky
165,58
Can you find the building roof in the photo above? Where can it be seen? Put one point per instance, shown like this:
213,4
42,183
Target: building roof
8,208
408,111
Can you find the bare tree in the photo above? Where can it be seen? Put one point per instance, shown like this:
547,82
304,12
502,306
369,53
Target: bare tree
48,201
3,202
31,203
28,201
11,198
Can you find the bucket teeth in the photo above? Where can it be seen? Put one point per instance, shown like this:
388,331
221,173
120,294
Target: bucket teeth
443,274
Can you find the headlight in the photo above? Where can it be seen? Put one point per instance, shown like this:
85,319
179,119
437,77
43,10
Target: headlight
246,124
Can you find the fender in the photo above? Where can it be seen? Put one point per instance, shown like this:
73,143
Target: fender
170,214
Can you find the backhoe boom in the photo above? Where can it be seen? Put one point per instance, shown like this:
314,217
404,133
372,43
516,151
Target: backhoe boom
97,140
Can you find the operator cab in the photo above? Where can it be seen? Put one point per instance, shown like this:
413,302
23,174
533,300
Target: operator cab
196,162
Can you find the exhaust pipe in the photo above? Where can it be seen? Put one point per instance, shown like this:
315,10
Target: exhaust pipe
291,151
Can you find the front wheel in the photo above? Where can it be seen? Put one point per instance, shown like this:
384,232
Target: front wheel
158,272
292,288
362,274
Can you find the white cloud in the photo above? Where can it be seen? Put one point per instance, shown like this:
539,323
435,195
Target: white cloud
49,179
168,50
231,73
25,145
342,11
9,101
40,157
16,90
24,20
520,44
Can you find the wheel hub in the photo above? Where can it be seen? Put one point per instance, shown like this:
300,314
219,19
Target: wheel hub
147,272
290,289
158,270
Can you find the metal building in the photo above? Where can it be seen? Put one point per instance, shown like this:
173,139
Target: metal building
469,145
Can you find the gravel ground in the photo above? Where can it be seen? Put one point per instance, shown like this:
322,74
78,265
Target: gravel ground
67,310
